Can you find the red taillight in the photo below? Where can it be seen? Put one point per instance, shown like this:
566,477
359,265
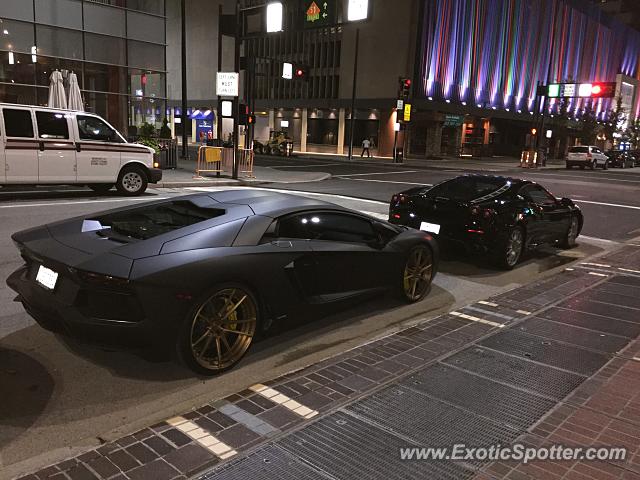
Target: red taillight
479,232
101,280
483,212
395,215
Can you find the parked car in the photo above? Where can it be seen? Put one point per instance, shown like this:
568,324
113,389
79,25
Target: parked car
204,274
503,217
41,145
635,154
620,159
586,156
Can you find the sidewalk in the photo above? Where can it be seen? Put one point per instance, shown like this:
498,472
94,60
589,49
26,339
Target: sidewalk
556,361
477,163
184,176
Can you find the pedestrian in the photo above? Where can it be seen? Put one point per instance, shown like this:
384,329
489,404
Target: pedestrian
366,145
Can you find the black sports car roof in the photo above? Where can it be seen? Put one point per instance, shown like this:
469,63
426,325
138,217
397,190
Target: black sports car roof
268,203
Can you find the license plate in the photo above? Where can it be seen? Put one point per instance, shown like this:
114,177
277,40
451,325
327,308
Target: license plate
430,227
46,277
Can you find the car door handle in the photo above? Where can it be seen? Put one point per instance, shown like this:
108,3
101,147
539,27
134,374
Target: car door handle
78,147
282,244
42,146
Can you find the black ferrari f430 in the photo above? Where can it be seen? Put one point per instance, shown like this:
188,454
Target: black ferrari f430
501,216
206,273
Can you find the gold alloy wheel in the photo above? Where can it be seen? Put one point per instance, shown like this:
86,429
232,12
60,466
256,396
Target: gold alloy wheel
417,273
223,328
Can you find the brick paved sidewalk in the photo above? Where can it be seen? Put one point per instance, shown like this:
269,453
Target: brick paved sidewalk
554,361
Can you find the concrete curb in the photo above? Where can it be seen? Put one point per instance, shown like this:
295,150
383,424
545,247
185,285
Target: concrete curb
229,182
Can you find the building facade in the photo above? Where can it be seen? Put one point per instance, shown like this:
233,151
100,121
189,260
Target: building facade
116,48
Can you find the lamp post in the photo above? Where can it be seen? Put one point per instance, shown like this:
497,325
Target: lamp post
185,149
357,10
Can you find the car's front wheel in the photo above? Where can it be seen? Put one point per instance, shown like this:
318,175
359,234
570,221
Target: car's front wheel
510,249
569,241
417,274
132,181
219,330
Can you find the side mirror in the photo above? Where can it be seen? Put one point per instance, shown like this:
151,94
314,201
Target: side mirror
566,202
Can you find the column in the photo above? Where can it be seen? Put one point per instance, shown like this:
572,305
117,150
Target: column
303,131
272,119
172,122
341,117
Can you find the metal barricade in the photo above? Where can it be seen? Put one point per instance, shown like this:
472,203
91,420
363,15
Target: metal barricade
220,160
210,160
529,159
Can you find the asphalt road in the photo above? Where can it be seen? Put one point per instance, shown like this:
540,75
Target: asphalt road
609,199
60,397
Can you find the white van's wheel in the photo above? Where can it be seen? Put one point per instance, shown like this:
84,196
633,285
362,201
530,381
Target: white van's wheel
132,181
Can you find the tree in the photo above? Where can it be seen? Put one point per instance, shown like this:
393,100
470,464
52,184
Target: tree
633,133
588,125
614,121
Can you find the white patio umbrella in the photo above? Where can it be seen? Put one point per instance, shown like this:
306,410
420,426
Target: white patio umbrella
57,97
75,97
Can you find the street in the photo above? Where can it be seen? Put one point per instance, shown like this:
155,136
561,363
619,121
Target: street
73,397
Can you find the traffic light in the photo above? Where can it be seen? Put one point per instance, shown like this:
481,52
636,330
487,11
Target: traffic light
534,131
251,119
244,115
405,87
603,90
300,72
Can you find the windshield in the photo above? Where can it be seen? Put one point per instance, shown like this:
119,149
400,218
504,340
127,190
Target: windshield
151,221
465,189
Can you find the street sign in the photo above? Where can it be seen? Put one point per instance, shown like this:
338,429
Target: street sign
227,84
319,13
400,105
407,112
453,120
287,71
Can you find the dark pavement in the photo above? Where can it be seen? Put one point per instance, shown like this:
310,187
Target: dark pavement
556,361
609,199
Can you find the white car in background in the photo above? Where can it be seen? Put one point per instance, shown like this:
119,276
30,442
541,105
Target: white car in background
586,156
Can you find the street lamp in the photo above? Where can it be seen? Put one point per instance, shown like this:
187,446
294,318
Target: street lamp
274,17
357,10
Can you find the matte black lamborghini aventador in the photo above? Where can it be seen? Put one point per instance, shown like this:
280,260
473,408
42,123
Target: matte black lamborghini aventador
498,215
205,273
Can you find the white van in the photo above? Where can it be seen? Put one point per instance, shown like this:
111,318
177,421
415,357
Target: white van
41,146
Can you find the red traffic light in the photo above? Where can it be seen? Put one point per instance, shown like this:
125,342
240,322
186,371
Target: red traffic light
407,83
596,89
299,72
603,90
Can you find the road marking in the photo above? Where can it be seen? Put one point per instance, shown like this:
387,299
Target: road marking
305,166
381,216
42,191
617,205
569,269
597,274
282,399
637,359
476,319
523,312
601,240
488,312
628,270
596,177
24,205
596,264
380,181
375,173
490,304
248,420
208,441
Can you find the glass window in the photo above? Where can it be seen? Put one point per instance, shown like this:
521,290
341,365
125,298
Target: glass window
104,19
52,125
17,123
105,78
63,13
18,36
16,68
24,95
101,48
59,42
336,227
111,107
537,195
92,128
150,6
145,83
149,110
150,221
146,55
145,27
18,9
46,65
464,189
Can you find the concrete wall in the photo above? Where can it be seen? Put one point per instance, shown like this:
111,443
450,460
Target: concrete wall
202,49
387,45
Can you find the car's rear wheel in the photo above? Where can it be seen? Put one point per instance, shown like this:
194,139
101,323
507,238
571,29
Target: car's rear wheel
219,330
569,241
592,165
417,274
605,166
132,181
101,187
510,249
